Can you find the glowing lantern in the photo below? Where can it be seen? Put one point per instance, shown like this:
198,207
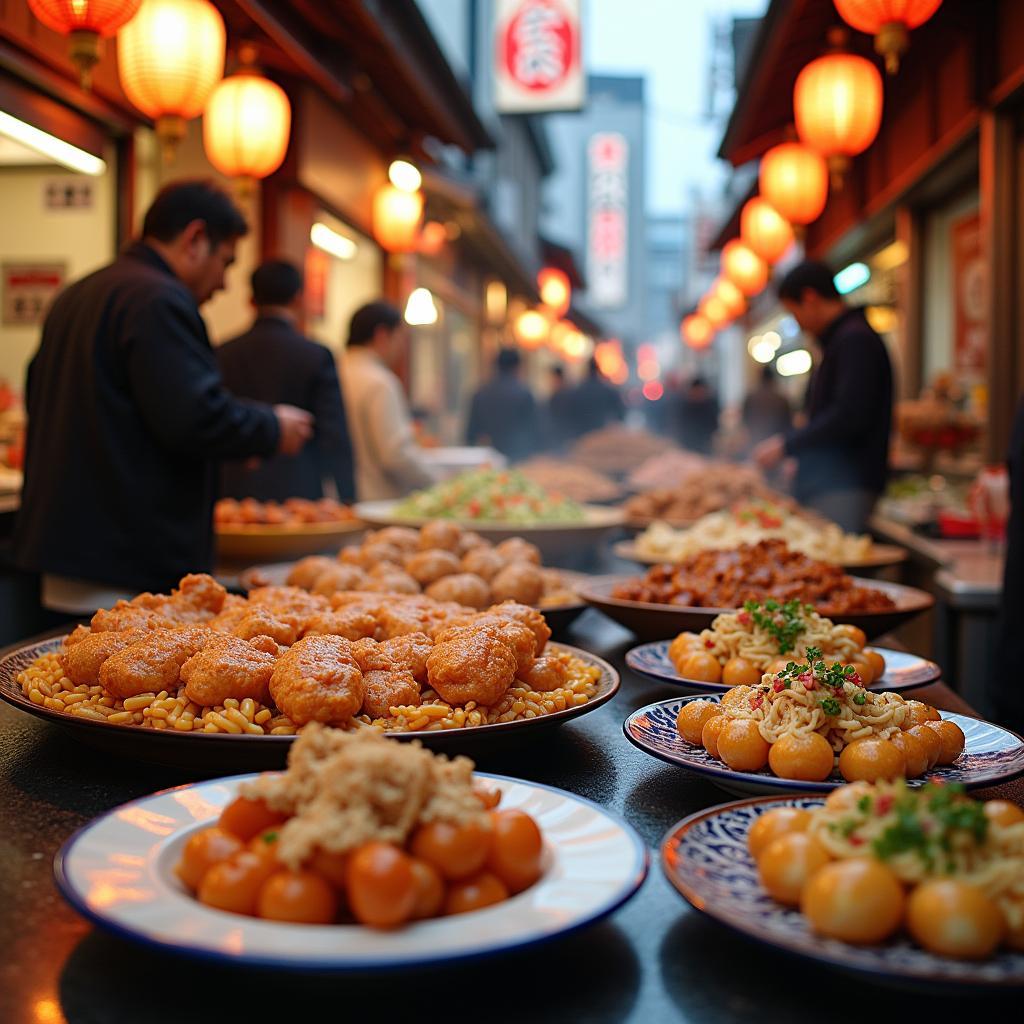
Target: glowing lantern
742,266
555,290
794,180
396,218
86,23
837,104
765,230
531,329
889,21
246,124
714,310
730,296
696,331
432,238
170,56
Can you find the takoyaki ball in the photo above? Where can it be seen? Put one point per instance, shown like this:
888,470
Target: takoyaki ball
402,537
515,549
462,588
520,582
427,566
395,582
440,534
471,540
483,562
305,571
339,577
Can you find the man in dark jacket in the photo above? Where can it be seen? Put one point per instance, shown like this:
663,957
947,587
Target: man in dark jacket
596,402
843,450
503,413
272,362
128,416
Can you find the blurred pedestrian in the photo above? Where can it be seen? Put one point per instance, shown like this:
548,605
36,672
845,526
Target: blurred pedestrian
559,428
503,413
842,452
766,411
389,463
595,402
696,419
273,362
128,417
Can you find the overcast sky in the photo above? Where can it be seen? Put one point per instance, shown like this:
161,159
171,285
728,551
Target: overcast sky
669,42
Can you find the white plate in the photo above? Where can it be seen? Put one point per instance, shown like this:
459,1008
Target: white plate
118,872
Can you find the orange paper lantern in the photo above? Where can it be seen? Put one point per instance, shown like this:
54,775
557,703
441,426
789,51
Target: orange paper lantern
889,21
531,329
794,180
170,56
765,230
730,296
742,266
837,104
246,125
714,310
696,331
555,290
88,23
396,218
432,238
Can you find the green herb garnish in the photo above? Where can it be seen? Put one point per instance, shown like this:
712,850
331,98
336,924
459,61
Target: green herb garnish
784,623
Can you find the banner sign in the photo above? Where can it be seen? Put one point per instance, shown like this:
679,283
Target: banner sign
607,220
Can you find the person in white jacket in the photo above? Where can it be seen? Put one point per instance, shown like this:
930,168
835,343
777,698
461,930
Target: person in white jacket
388,461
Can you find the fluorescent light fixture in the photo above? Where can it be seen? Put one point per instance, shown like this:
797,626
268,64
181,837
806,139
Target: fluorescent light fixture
762,351
792,364
331,242
420,309
892,256
772,338
850,278
405,175
45,144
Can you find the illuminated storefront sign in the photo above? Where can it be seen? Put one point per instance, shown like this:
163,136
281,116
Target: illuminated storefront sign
607,224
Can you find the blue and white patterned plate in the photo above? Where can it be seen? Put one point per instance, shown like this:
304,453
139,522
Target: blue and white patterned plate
992,754
903,671
705,857
118,872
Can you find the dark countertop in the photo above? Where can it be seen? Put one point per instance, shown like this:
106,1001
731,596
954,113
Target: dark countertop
654,960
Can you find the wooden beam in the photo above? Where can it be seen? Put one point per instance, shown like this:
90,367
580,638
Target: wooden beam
910,286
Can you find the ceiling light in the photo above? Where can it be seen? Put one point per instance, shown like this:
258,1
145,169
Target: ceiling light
405,175
762,351
420,310
330,241
792,364
850,278
50,146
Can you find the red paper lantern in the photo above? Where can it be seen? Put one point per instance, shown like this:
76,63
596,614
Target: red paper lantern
396,218
742,266
765,230
730,296
837,104
88,23
794,180
555,290
696,331
889,21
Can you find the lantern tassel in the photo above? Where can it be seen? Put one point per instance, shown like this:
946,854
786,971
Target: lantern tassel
170,130
891,42
85,49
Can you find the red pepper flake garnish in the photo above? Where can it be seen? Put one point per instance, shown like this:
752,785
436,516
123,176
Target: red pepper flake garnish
756,702
778,685
709,644
744,618
855,679
856,841
883,804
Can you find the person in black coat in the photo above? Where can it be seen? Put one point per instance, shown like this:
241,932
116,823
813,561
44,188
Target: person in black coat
128,417
596,402
503,412
272,362
842,451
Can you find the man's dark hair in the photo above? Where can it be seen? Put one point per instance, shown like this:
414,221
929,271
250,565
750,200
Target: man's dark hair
558,370
276,283
181,202
508,360
368,318
809,274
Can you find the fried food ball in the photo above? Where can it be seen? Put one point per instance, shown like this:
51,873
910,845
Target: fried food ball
387,689
288,599
517,636
474,665
83,660
411,652
396,582
401,537
305,572
515,549
463,588
198,598
520,582
153,663
427,566
318,680
339,577
281,626
546,673
230,667
527,616
353,623
483,562
470,541
440,534
128,616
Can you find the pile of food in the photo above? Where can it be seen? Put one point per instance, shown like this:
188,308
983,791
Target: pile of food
716,487
813,717
440,560
878,859
571,479
674,465
294,512
489,495
199,660
748,523
760,572
617,450
362,830
764,637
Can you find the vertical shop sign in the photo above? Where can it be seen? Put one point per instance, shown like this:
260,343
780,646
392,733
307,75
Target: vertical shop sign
607,224
970,309
537,63
28,290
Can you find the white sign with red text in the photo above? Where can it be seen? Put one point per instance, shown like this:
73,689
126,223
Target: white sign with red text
538,56
607,220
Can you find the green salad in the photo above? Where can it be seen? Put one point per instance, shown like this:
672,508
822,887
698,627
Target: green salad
490,495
